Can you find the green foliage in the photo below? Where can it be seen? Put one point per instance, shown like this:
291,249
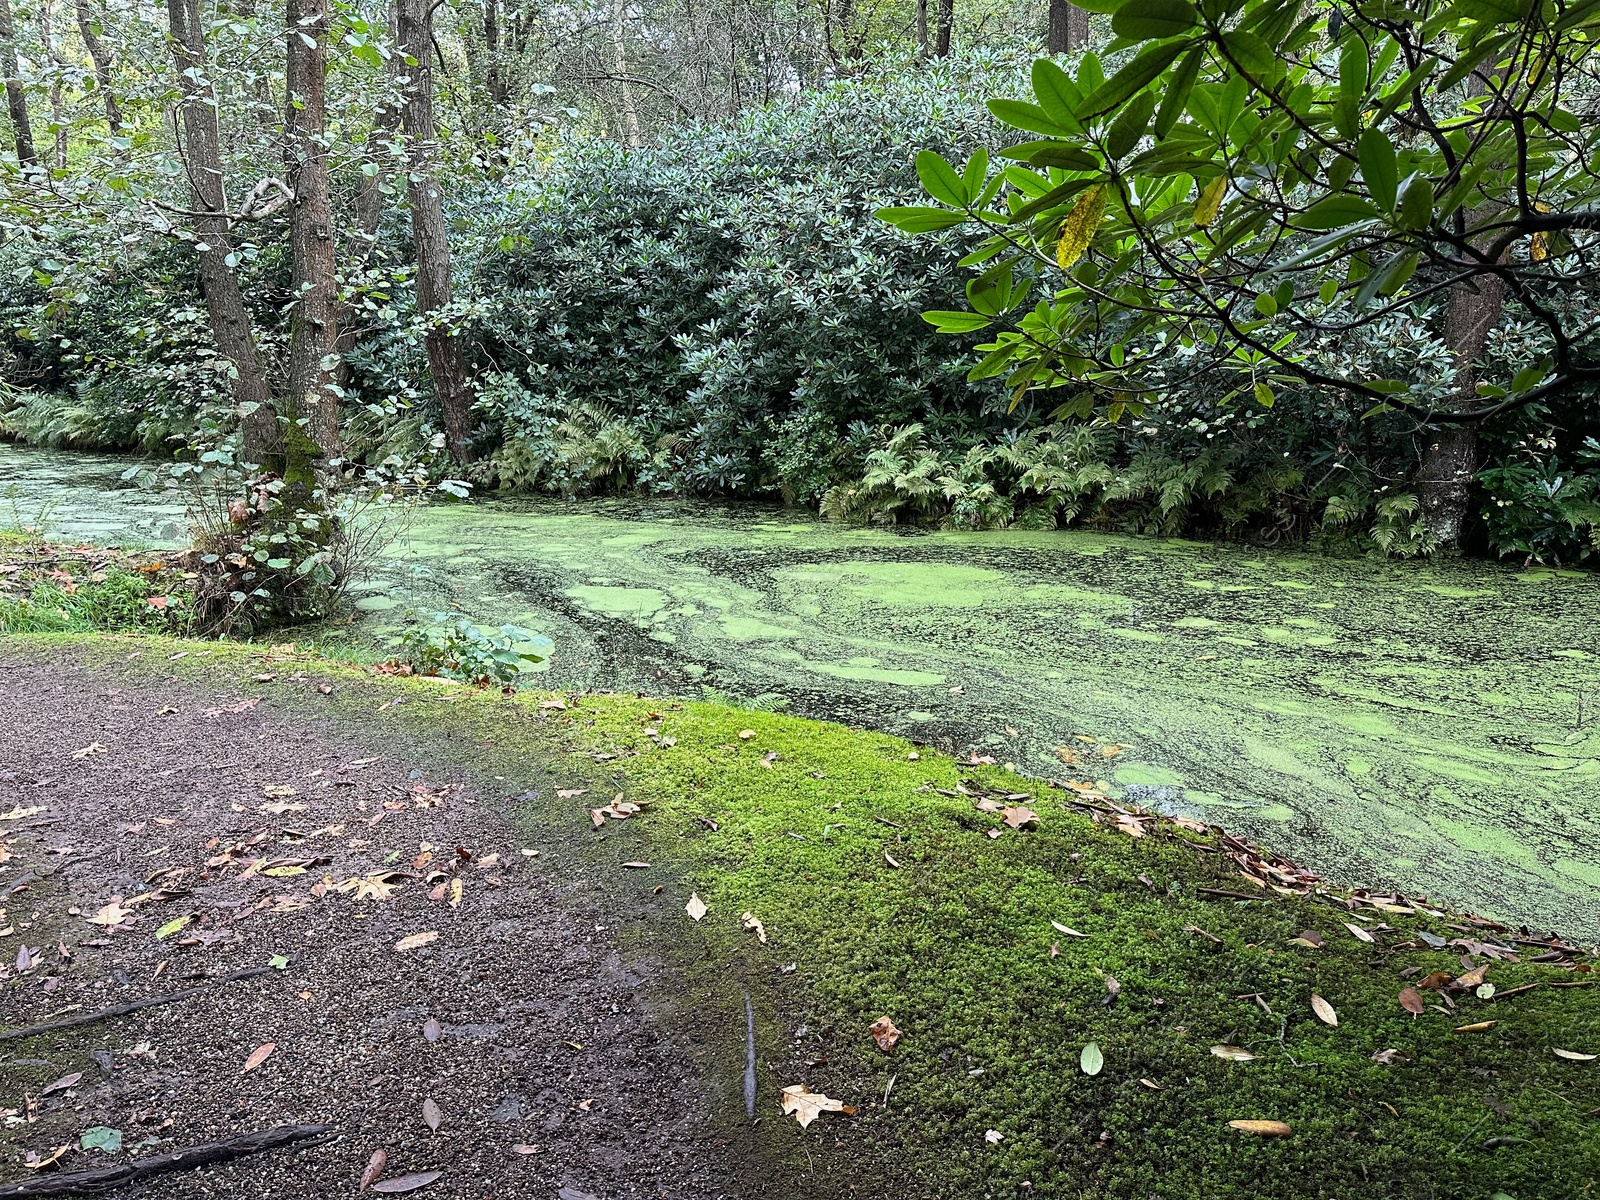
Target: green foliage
1540,511
116,599
1262,177
455,648
1076,473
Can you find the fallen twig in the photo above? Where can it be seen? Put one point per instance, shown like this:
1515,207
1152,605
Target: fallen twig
89,1183
121,1010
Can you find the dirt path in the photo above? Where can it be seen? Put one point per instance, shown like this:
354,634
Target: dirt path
547,1073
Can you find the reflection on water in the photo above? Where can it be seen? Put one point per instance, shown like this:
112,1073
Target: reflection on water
1395,724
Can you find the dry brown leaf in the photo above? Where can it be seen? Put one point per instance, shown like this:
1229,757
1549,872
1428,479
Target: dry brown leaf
1233,1053
1020,817
1361,934
34,1163
753,923
375,1166
1476,1027
696,908
805,1105
1435,981
61,1084
1263,1128
1325,1011
431,1116
258,1056
416,940
406,1183
1411,1001
112,914
1473,977
884,1033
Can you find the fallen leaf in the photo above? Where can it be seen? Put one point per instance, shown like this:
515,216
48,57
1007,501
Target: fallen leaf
1473,977
431,1030
1476,1027
1091,1061
753,923
112,914
406,1183
1325,1011
431,1116
455,892
696,908
1361,934
993,1137
61,1084
641,866
258,1056
1020,817
572,1193
1311,938
274,790
1573,1055
805,1105
891,860
1263,1128
1233,1053
524,1148
1434,981
34,1163
1068,930
375,1166
884,1033
746,734
416,940
1411,1001
90,749
1385,1057
173,926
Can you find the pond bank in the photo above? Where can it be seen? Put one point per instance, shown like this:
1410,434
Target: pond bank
1424,728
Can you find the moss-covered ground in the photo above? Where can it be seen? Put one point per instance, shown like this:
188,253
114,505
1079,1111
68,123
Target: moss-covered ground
882,891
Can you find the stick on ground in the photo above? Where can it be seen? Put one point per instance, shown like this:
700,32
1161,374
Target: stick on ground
90,1183
122,1010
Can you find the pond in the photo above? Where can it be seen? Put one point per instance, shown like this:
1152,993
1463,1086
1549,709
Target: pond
1428,728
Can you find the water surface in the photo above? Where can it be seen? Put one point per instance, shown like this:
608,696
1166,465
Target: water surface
1428,728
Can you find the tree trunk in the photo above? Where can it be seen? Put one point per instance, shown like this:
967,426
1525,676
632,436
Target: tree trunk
1069,27
947,18
230,321
58,111
494,80
101,57
630,110
1449,457
314,325
922,30
445,360
16,98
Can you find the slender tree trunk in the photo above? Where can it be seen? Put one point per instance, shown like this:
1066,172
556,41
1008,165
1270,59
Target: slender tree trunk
494,80
630,110
229,319
922,30
58,111
445,360
16,98
314,326
947,19
1069,27
101,57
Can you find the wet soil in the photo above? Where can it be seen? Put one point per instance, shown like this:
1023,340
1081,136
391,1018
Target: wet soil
549,1074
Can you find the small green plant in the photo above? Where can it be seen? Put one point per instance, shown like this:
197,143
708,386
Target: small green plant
455,648
64,601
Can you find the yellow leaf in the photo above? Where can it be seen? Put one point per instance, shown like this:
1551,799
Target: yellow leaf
805,1104
1210,202
1077,231
1263,1128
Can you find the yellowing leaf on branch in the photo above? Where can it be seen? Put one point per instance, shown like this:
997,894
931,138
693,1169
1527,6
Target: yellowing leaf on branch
805,1105
1210,201
1077,231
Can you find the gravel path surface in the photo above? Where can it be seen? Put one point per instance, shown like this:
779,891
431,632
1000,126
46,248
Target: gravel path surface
227,836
